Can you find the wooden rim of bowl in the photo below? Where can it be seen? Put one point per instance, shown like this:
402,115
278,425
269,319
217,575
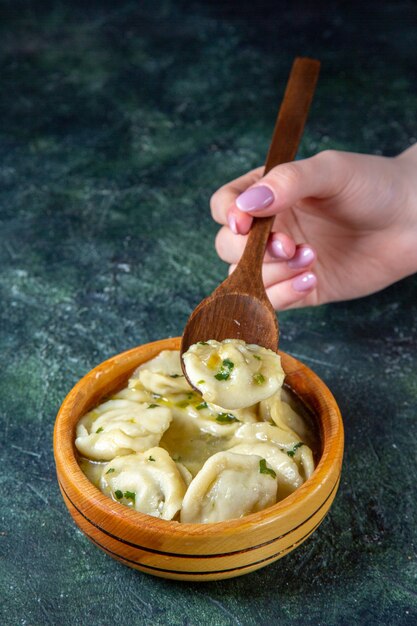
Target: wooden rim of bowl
101,382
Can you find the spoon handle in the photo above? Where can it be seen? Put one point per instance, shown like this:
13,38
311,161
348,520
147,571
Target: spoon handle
286,137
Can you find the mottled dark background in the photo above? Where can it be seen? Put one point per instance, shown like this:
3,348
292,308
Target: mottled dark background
117,122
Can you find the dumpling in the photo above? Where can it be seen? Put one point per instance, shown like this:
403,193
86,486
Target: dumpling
148,482
162,375
233,374
278,410
285,440
119,427
288,475
229,486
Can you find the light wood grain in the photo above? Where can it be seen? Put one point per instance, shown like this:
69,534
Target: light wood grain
196,551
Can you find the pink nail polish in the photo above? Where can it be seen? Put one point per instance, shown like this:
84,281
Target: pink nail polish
304,282
255,199
277,250
231,220
303,256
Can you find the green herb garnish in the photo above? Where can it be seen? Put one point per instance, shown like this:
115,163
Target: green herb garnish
226,418
295,448
203,343
225,370
152,406
203,405
258,379
118,494
111,470
130,495
264,469
176,375
99,430
255,356
201,382
150,458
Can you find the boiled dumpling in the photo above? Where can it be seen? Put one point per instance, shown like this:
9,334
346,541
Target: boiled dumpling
233,374
286,469
285,440
119,427
148,482
229,486
162,375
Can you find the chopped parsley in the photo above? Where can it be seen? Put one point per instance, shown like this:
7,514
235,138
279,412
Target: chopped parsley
255,356
152,406
226,418
258,379
118,494
295,448
264,469
203,343
150,458
201,382
110,470
99,430
130,495
203,405
176,375
225,370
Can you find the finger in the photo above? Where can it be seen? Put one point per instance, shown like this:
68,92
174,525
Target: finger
296,291
278,271
224,197
230,247
281,246
238,222
320,176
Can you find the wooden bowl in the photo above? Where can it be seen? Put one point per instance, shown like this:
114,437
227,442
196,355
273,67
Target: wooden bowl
196,551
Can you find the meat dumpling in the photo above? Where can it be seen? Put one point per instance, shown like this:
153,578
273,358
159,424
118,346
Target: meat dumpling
149,482
119,427
229,486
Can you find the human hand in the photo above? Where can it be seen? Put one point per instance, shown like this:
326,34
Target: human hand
345,226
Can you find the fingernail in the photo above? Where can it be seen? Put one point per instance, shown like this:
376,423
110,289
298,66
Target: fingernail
302,258
255,199
277,249
231,220
304,282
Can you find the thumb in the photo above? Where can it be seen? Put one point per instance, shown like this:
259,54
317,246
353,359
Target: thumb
320,176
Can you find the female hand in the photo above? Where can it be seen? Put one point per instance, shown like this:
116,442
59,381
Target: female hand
345,226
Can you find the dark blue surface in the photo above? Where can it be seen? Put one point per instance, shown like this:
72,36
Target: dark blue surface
117,122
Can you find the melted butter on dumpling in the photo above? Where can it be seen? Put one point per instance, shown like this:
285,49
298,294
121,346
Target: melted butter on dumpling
233,374
119,427
150,483
229,486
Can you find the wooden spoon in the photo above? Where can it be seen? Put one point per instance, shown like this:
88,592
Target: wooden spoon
239,308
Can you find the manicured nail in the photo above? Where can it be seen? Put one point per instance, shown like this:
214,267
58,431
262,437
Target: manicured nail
304,282
255,199
277,249
303,257
231,220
